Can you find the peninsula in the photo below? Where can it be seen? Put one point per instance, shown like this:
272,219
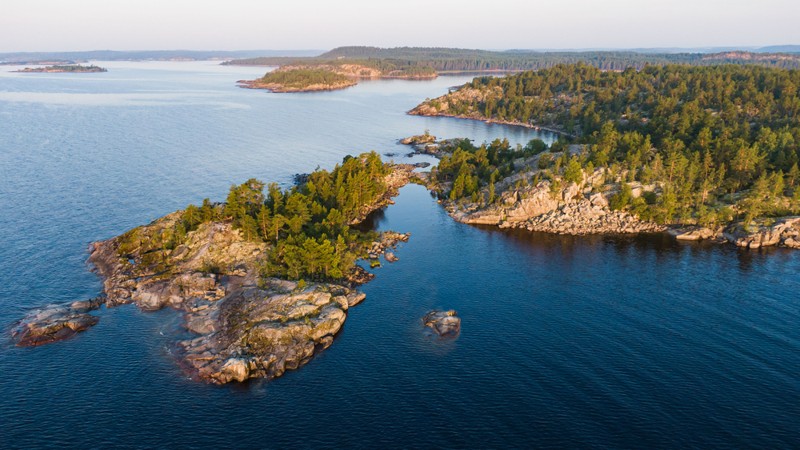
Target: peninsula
264,280
706,152
69,68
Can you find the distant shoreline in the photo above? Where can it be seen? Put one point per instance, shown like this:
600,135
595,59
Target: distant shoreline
70,68
512,123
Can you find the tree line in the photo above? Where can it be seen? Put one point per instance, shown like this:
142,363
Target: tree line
719,141
466,60
308,227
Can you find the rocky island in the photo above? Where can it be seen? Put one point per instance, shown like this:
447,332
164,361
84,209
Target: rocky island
69,68
264,281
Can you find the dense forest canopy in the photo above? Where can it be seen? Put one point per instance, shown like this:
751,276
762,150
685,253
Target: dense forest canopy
307,227
465,60
710,138
302,78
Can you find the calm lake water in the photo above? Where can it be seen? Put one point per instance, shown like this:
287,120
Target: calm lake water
566,342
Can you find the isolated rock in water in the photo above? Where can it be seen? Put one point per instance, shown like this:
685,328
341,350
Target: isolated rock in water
444,323
54,323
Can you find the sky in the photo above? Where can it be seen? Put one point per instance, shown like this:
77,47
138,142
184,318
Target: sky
73,25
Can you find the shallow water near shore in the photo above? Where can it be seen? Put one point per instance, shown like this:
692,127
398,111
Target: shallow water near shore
566,341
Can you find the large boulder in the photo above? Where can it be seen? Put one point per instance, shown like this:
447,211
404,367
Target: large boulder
695,233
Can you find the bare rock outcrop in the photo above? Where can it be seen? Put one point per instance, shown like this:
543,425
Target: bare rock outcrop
260,332
784,232
564,211
695,233
55,323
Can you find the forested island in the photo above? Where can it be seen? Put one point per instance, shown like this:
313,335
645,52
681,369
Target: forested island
303,76
264,280
456,60
344,66
713,151
69,68
300,80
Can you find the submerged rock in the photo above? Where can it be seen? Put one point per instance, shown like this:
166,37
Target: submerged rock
444,323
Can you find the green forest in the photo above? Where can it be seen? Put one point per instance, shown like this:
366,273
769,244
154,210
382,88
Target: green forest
720,142
388,67
303,78
466,60
308,226
68,68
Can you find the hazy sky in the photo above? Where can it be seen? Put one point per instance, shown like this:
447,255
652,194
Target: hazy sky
60,25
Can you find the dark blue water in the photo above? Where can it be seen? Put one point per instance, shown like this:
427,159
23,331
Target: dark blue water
566,342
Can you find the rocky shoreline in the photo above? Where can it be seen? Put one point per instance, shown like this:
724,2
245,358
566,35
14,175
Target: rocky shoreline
242,325
439,107
573,210
282,89
582,209
351,74
417,112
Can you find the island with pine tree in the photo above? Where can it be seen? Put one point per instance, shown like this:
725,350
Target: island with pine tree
264,280
67,68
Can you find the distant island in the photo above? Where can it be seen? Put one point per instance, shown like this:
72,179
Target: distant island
346,65
307,76
705,152
70,68
300,80
42,58
456,60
